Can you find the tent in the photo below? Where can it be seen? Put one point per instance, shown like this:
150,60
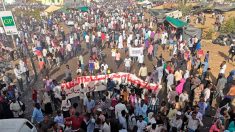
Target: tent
175,14
177,23
52,9
190,32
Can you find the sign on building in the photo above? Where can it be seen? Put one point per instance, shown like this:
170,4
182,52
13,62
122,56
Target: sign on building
8,22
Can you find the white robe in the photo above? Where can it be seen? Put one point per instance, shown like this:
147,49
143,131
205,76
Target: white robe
120,42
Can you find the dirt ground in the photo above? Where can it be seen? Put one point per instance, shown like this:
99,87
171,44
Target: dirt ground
217,53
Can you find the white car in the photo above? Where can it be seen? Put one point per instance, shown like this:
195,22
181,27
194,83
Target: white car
16,125
70,23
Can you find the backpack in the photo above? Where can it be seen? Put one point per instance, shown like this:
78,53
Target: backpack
22,106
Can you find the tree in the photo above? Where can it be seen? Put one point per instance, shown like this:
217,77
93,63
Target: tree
184,8
228,26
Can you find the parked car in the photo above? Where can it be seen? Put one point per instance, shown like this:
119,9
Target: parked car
16,125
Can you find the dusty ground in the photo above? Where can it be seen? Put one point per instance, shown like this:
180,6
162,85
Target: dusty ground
217,53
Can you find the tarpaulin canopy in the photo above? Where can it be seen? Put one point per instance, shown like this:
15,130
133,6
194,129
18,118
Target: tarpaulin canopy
177,23
83,9
190,32
52,9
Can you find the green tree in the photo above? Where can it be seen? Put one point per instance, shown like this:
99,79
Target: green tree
228,26
184,8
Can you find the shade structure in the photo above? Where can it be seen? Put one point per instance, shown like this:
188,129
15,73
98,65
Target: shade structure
52,9
177,23
83,9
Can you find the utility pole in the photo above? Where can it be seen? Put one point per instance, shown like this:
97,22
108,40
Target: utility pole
3,4
29,53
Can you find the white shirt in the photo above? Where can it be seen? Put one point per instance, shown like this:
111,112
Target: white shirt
141,126
106,128
122,121
176,123
136,42
207,93
119,108
99,34
44,52
22,66
65,105
87,37
122,130
105,66
223,68
83,92
186,75
183,97
18,73
71,40
193,124
16,109
69,47
127,62
81,59
152,121
141,58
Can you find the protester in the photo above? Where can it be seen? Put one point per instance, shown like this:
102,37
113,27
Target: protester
175,95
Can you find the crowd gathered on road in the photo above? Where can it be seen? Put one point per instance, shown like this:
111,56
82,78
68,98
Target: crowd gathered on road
188,97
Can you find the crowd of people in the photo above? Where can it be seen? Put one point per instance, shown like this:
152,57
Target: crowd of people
189,92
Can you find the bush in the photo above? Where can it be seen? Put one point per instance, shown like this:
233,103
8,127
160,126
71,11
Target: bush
208,34
228,26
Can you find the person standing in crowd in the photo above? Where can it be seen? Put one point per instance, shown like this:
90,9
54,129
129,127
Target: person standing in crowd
221,85
37,116
16,108
118,59
68,74
223,67
65,106
143,72
176,122
122,119
193,122
140,60
141,124
127,62
119,108
59,119
18,74
89,104
231,52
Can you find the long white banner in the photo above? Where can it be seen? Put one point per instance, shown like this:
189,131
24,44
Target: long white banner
98,83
